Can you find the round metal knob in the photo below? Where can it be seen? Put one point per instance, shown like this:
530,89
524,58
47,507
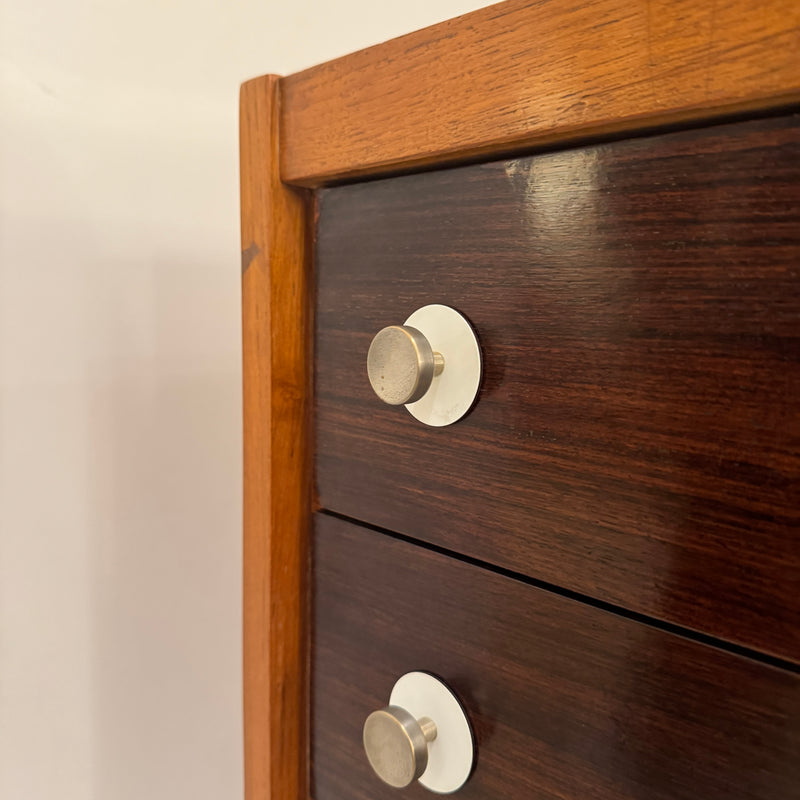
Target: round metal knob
401,365
431,364
422,735
397,745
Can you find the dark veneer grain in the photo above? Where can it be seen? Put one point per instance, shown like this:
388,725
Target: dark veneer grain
567,701
637,436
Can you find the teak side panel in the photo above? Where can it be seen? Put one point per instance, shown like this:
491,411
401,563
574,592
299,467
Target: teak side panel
567,702
637,436
526,73
277,466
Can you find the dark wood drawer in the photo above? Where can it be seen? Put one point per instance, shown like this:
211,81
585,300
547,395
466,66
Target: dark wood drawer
637,434
567,701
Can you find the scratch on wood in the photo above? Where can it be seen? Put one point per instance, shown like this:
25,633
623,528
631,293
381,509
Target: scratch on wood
248,255
710,58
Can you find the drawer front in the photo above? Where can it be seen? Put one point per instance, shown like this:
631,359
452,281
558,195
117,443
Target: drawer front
636,436
566,700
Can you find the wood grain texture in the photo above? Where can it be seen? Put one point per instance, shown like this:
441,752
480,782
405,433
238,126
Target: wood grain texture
523,73
276,335
637,435
567,702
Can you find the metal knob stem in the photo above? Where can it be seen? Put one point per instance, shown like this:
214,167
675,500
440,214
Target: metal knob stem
396,745
401,365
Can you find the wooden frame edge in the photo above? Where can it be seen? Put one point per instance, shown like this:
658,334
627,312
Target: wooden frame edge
277,462
522,74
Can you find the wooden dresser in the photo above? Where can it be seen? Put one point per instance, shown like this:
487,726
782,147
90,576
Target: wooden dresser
601,559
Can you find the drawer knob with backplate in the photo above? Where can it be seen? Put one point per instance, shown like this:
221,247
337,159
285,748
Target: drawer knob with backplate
423,734
431,364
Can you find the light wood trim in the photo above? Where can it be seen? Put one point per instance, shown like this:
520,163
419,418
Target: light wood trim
523,73
276,336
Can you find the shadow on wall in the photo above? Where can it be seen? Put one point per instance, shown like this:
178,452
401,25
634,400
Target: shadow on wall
120,463
166,549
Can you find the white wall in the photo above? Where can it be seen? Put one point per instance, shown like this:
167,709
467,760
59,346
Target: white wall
120,416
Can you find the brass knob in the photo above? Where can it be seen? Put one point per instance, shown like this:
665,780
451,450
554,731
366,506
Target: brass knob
401,365
397,745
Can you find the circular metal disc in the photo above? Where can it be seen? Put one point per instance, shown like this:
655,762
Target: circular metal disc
450,755
451,393
395,746
400,364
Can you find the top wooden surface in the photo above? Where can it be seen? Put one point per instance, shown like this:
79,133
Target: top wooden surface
520,74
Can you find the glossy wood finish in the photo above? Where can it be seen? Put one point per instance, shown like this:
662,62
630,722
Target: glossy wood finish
526,73
276,333
637,436
567,702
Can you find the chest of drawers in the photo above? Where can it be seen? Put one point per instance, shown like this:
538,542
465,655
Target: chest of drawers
600,559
